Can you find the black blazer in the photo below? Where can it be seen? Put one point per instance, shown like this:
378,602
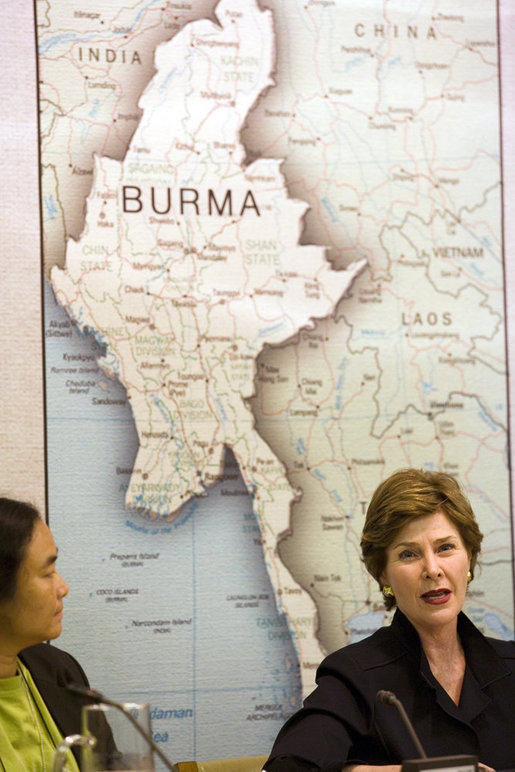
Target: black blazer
342,721
52,669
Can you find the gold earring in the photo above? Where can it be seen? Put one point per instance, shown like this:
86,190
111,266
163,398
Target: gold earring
388,591
469,577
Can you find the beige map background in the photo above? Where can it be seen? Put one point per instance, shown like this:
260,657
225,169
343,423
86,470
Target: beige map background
21,411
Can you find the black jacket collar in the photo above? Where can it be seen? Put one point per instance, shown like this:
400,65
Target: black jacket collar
484,666
480,654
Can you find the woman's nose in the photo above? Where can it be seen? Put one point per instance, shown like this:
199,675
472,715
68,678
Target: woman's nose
431,566
63,587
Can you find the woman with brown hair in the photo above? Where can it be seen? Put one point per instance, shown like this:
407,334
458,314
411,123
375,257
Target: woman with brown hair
420,542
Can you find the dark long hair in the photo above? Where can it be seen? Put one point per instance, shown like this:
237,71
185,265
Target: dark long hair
17,521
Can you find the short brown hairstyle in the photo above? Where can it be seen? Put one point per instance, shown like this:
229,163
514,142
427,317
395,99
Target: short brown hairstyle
404,496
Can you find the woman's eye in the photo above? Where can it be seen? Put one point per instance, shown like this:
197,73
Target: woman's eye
445,547
406,554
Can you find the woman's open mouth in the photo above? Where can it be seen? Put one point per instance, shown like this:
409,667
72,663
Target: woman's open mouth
436,597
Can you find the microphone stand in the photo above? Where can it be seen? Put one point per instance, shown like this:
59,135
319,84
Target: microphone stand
389,698
460,763
96,696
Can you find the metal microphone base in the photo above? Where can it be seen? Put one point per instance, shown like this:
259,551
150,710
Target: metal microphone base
447,763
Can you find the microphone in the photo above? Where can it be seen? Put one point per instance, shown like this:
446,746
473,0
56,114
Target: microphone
95,696
389,698
461,763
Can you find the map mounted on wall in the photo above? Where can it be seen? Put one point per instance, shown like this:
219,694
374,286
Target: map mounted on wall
273,250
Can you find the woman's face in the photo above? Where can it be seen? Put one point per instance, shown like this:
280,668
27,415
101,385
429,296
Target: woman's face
427,566
34,614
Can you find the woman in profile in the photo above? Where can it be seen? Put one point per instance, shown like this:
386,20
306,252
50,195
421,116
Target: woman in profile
420,542
36,710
